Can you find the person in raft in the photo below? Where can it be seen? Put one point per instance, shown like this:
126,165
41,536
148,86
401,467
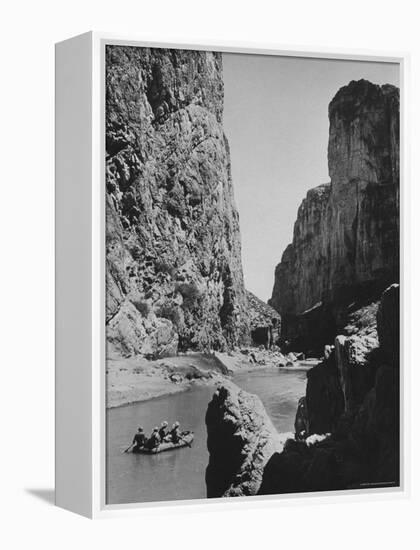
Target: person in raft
154,439
175,432
139,439
163,430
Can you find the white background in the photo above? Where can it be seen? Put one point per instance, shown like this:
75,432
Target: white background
29,30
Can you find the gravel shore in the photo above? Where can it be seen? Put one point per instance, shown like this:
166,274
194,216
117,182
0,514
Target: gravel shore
137,379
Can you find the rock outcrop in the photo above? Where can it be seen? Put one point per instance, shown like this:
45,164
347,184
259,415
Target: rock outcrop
174,274
240,438
354,396
347,425
345,248
265,322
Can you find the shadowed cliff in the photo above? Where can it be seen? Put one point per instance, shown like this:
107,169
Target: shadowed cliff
347,424
354,396
345,248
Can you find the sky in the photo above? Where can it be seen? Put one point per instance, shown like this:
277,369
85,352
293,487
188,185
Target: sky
276,121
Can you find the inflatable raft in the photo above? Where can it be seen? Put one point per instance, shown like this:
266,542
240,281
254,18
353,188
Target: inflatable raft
185,441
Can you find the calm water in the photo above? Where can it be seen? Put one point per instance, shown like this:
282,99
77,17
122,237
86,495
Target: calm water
180,474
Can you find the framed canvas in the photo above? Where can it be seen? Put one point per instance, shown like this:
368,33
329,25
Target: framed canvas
229,255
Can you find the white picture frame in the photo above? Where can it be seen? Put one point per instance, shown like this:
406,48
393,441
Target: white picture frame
80,275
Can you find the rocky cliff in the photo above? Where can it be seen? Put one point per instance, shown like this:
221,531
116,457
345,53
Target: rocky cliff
347,424
174,274
241,439
353,396
345,248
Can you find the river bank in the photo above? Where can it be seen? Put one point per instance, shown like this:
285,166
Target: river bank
135,379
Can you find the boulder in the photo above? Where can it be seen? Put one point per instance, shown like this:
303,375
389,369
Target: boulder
240,439
130,333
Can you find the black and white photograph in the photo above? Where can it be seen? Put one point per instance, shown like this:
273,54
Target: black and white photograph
210,266
252,274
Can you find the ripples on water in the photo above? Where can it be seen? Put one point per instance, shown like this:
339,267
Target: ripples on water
179,474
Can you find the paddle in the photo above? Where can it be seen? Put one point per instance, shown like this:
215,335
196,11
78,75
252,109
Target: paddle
128,448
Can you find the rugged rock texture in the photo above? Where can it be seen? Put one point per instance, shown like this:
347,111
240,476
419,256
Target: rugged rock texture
388,324
347,425
354,395
265,322
241,439
324,398
363,322
345,248
174,274
356,370
339,384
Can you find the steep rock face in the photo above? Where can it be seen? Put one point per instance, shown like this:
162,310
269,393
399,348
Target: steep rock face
356,371
345,246
264,321
240,438
305,257
337,386
356,399
174,273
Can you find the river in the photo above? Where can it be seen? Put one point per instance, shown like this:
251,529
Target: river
180,475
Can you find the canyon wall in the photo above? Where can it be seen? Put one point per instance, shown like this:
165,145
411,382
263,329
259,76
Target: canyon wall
264,322
345,248
174,275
